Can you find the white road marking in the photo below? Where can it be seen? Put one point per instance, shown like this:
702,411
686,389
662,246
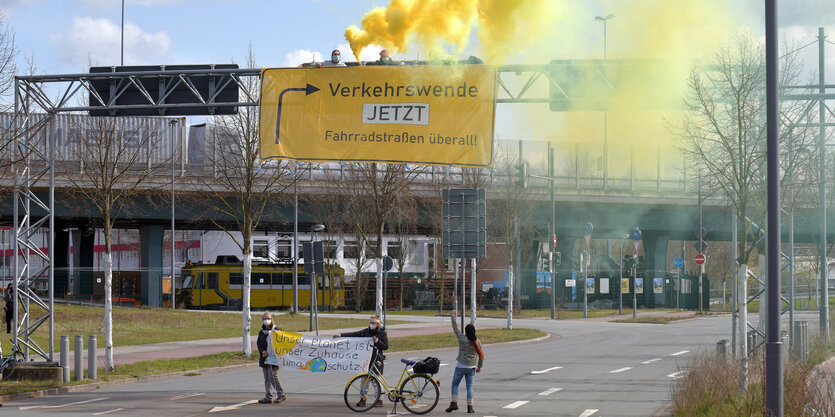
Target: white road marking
588,412
545,370
651,361
617,371
550,391
679,353
676,374
180,397
110,411
62,405
516,404
233,406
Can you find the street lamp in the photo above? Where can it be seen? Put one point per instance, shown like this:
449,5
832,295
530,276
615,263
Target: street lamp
605,116
314,311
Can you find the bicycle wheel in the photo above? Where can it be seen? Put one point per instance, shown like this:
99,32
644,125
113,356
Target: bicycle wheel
7,367
419,393
362,392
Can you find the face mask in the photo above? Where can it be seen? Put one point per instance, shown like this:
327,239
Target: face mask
372,326
267,322
335,58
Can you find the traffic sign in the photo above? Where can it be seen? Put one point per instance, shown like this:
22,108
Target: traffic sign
588,240
402,114
636,234
700,259
636,244
678,262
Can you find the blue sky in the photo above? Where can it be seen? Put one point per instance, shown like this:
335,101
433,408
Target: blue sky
64,36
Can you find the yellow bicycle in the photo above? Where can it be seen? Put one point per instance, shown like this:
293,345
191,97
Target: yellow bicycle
416,391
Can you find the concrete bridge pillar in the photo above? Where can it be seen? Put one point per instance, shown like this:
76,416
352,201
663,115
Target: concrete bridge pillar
655,250
84,243
150,241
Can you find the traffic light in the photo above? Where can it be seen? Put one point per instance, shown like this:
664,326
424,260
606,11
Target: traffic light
546,261
557,258
630,261
522,173
634,261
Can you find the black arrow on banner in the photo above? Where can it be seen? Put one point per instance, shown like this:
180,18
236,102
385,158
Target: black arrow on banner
308,90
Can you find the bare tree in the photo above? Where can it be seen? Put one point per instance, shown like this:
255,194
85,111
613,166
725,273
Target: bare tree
511,214
402,226
383,185
242,185
723,132
109,165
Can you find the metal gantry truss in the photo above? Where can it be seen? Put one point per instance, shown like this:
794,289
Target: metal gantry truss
53,94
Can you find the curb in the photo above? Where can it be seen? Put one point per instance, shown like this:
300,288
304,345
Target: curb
98,385
150,378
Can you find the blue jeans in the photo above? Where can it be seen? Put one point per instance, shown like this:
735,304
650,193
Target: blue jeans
467,373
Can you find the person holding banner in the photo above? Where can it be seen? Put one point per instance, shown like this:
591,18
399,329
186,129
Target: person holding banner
470,358
271,381
377,333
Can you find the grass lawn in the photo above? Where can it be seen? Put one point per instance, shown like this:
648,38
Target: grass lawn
164,366
138,326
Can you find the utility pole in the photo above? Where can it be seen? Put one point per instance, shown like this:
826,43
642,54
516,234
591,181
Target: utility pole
553,232
824,289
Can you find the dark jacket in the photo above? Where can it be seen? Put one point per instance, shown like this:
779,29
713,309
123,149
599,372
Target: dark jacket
8,299
380,345
261,343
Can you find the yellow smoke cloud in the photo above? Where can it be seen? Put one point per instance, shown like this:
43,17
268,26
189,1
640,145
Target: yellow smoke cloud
444,26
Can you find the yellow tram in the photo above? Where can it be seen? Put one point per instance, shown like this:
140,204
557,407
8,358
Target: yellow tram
219,285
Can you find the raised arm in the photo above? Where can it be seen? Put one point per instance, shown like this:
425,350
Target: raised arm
452,317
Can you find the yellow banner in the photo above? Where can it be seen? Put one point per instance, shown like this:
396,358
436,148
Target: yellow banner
436,115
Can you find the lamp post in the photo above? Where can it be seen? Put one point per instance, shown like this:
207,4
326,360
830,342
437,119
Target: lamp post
173,257
605,116
314,311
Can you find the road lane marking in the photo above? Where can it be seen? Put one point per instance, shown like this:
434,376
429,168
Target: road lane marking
588,412
516,404
680,353
109,411
550,391
651,361
61,405
676,374
617,371
545,370
180,397
233,406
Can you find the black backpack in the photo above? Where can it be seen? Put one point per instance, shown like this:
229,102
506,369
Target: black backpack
430,365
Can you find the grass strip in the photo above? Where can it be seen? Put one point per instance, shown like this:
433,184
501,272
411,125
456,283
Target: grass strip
164,366
560,314
139,326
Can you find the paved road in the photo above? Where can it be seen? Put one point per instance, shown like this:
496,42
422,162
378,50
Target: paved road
588,369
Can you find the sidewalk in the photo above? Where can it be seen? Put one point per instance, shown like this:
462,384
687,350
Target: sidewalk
123,355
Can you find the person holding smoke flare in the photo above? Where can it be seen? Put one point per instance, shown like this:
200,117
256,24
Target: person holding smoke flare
470,358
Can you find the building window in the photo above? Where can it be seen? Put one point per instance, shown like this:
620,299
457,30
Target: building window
330,248
261,249
282,249
394,249
350,250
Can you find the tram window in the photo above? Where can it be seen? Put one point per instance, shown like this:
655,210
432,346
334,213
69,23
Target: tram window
212,280
201,281
304,279
337,281
350,250
236,279
260,278
188,281
282,278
